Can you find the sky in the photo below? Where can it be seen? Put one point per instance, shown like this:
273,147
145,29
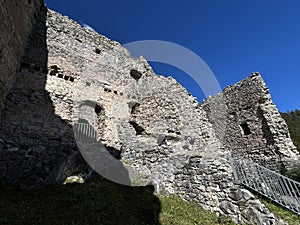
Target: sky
233,37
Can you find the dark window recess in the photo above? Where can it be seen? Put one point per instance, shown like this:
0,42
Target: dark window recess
98,109
66,77
55,67
72,79
121,93
77,39
138,129
60,75
135,74
53,72
245,128
115,92
97,50
88,84
232,113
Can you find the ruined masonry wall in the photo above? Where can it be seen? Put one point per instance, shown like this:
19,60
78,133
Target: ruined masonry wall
252,126
160,131
17,18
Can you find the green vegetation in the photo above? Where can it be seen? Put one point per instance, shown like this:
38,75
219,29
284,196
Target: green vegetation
288,216
102,202
175,211
99,202
293,174
293,121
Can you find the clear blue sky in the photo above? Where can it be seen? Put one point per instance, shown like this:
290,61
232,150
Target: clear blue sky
234,37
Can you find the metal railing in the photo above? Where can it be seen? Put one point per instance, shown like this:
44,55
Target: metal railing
84,132
270,184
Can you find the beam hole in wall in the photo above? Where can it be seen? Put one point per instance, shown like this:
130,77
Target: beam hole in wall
53,72
246,129
97,50
247,107
115,92
232,113
135,74
88,84
66,77
98,109
55,67
60,75
77,39
72,79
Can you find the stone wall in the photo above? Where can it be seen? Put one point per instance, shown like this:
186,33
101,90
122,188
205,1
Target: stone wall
17,18
154,131
252,126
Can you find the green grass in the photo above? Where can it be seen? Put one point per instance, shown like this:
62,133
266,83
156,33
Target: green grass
175,211
100,202
293,121
288,216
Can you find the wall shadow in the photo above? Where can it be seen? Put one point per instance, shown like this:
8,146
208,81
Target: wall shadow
38,149
98,201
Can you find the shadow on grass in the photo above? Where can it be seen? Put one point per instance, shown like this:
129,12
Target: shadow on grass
98,201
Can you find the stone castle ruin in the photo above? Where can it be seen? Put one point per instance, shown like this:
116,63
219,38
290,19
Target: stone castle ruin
58,78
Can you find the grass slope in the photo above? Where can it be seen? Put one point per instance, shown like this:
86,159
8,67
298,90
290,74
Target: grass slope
99,202
288,216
